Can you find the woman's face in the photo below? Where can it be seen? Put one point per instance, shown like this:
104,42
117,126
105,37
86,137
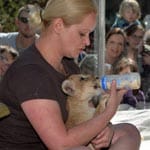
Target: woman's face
135,39
76,37
115,46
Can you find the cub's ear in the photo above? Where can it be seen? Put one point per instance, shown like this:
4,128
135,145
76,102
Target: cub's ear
68,87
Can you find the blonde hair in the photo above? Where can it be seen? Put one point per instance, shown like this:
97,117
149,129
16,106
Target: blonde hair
133,4
71,11
27,8
33,12
122,63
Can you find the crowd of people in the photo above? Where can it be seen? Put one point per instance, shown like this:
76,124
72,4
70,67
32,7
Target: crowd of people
33,66
127,37
137,35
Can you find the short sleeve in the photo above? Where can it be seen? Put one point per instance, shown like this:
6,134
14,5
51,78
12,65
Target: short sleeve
32,82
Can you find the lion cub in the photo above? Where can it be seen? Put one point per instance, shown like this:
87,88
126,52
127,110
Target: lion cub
80,90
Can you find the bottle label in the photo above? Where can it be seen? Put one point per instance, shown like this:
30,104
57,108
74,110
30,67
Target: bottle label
129,81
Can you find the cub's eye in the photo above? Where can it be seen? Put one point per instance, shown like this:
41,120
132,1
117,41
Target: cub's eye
83,79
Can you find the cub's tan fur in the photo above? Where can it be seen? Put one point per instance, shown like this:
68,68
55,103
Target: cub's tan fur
80,90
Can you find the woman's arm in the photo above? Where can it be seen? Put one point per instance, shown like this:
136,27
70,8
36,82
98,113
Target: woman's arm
46,118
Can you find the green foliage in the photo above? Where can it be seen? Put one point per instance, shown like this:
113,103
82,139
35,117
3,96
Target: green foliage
9,9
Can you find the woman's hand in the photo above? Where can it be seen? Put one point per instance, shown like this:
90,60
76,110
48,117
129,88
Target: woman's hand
115,98
103,139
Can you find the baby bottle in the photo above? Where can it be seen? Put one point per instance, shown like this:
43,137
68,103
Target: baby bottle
129,81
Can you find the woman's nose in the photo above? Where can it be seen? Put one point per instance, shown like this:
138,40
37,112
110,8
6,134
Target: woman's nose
87,41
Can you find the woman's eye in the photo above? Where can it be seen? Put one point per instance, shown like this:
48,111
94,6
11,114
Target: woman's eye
82,34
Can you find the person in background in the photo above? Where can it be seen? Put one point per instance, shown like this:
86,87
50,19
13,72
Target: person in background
146,66
115,46
146,73
31,88
123,66
134,35
25,36
129,13
7,56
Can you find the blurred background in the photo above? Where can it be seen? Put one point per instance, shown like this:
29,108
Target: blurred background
9,8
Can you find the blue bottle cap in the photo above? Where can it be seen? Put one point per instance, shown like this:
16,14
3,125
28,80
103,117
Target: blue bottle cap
103,83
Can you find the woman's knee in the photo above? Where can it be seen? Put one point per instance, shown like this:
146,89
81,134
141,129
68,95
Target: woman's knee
131,130
126,129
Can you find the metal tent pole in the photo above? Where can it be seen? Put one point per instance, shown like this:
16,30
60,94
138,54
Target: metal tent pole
100,38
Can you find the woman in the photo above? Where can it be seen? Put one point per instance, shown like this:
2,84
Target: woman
134,35
32,88
115,47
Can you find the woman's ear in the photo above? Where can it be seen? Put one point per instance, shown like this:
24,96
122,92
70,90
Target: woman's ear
58,25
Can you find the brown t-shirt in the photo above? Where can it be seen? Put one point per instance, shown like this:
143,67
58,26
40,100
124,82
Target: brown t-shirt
30,77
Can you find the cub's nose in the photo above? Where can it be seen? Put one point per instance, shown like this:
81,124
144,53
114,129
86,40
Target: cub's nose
97,77
96,86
